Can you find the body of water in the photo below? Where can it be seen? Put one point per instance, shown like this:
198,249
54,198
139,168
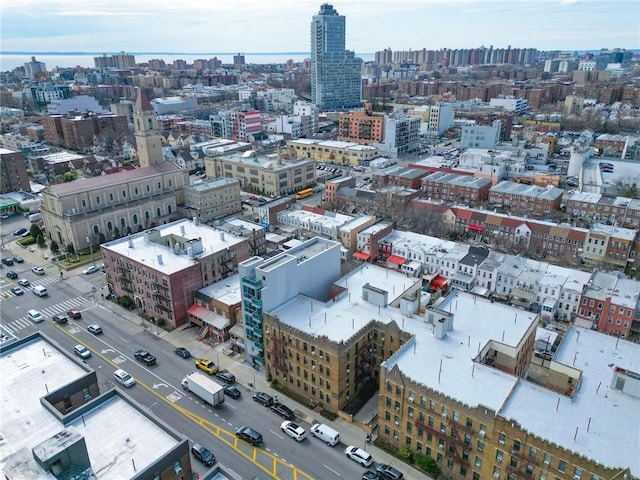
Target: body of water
9,61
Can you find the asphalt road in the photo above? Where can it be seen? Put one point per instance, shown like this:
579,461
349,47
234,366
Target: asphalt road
158,387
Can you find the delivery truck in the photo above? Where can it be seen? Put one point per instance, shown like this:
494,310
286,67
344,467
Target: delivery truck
204,387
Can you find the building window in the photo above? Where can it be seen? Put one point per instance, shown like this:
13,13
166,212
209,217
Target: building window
124,194
111,197
158,212
562,466
96,230
84,204
110,226
135,219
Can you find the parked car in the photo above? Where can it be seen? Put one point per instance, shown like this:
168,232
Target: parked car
387,472
226,376
11,274
59,318
294,430
283,411
182,352
17,291
207,366
203,455
23,282
8,262
369,475
38,270
75,314
81,351
249,435
91,269
95,329
232,391
358,455
263,398
19,231
18,259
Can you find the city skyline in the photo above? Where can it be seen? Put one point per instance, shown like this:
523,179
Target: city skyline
61,26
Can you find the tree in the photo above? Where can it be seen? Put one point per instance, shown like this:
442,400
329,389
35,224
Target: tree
70,249
35,231
54,247
41,241
101,238
69,177
116,232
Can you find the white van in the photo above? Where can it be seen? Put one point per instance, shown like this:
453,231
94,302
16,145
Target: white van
325,433
40,291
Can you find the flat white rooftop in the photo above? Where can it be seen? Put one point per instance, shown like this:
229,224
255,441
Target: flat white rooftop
36,368
603,421
227,291
476,322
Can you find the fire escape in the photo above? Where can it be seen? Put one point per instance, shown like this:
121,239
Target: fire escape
453,445
125,279
228,264
161,297
521,465
279,354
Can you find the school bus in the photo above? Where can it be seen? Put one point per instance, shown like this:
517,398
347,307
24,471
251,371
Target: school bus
307,192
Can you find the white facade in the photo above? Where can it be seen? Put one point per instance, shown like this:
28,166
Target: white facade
481,136
81,103
307,109
512,104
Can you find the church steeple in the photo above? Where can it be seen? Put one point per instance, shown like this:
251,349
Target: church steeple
147,132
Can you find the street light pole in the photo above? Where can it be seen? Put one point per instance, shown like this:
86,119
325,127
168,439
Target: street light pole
91,248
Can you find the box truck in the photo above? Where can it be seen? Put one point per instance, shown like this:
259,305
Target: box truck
204,387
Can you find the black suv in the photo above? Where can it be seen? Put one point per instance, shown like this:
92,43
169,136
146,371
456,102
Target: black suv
263,398
7,261
61,319
203,454
282,410
249,435
387,472
226,376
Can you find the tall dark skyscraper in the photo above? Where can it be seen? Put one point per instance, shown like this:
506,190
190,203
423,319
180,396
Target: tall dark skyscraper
336,74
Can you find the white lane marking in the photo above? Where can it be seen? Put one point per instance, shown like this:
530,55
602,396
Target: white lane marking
277,435
332,470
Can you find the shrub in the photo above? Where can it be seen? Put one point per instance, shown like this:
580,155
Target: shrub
405,454
125,302
26,241
54,247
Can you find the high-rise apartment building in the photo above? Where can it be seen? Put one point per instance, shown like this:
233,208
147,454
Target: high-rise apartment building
13,172
33,67
335,72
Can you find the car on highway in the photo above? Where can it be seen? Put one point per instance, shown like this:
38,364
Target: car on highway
203,455
91,269
263,399
75,314
11,274
8,262
35,316
387,472
95,329
294,430
249,435
283,411
182,352
145,357
17,291
23,282
358,455
19,231
38,270
82,351
207,366
18,259
59,318
226,376
124,378
231,391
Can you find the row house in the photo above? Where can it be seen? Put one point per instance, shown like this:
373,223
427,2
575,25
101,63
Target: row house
526,199
369,239
456,188
608,245
595,207
348,233
610,304
311,221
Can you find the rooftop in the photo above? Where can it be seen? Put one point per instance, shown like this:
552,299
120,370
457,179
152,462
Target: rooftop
591,421
35,368
151,247
227,291
613,231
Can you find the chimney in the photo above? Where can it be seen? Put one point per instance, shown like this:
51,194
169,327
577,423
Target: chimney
160,260
221,236
196,222
182,232
130,242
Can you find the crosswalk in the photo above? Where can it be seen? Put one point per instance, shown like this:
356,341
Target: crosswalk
18,324
44,281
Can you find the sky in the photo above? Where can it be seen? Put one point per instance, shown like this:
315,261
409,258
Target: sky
193,26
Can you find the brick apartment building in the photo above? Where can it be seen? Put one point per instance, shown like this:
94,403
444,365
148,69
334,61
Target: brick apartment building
595,207
526,199
456,188
76,131
13,172
361,127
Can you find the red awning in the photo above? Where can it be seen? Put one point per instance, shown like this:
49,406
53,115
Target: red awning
438,283
396,259
198,311
362,256
477,228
